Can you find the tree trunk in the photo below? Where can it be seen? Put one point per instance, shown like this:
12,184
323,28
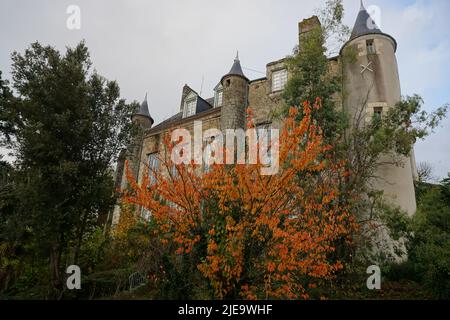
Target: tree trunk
55,262
77,247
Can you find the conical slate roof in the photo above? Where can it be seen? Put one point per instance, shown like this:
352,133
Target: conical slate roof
236,69
143,109
364,24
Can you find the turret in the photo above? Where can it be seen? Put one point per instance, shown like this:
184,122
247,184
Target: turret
374,72
142,120
142,116
235,96
372,86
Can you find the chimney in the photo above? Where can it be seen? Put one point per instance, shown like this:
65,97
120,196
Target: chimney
306,26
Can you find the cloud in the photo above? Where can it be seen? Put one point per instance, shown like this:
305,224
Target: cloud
422,30
158,46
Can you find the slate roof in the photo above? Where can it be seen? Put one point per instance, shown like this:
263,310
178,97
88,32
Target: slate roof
236,69
173,118
143,109
202,106
364,24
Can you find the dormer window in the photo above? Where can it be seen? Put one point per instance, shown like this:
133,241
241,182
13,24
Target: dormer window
370,47
189,107
279,80
218,98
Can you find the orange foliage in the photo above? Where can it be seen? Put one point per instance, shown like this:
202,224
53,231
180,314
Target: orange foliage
128,220
266,237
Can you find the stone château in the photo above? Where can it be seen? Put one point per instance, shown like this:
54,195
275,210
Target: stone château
371,82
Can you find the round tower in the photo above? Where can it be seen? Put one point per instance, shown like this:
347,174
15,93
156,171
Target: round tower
371,87
142,116
142,121
235,96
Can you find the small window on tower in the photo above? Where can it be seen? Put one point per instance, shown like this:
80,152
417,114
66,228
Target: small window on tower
378,113
370,46
279,80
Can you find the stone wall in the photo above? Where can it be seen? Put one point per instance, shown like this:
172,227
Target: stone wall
262,100
154,141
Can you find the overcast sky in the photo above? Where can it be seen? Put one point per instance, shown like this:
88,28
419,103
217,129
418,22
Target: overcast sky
158,46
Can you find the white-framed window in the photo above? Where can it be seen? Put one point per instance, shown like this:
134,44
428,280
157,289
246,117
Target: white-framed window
209,152
153,166
264,132
174,171
189,108
218,95
279,80
219,98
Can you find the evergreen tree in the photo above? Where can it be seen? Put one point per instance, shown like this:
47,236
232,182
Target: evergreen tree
311,76
66,126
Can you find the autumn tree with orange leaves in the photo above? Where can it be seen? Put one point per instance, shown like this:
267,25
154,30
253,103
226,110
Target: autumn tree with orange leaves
238,234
